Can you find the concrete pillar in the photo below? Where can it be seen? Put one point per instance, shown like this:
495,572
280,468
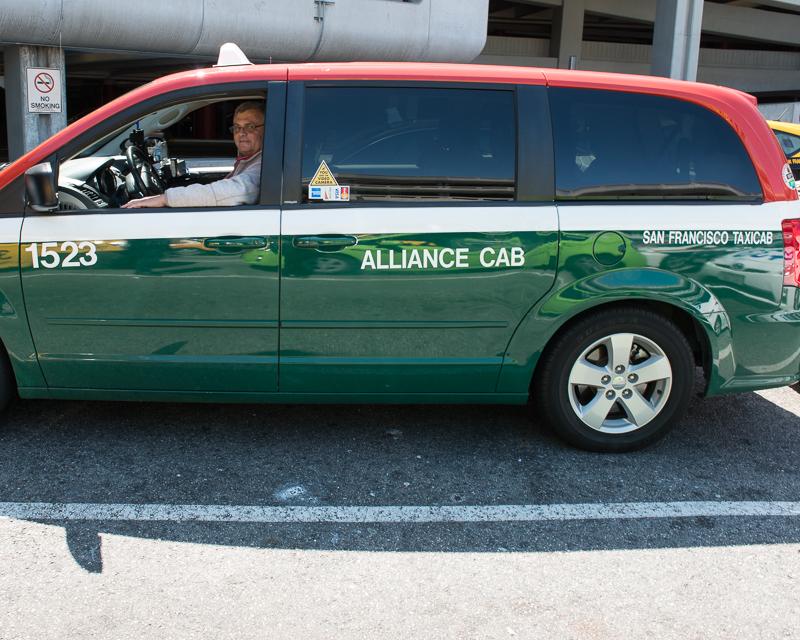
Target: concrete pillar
676,39
26,130
567,35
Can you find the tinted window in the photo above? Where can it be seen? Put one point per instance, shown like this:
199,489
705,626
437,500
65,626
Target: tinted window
409,143
615,145
789,143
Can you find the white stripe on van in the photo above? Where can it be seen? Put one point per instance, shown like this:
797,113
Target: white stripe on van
9,230
432,219
678,217
152,224
572,217
406,220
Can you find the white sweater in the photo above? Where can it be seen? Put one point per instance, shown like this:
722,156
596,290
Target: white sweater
241,186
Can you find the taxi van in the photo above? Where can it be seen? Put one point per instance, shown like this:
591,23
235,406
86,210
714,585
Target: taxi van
425,233
788,135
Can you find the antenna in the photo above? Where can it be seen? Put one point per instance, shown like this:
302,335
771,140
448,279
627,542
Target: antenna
231,55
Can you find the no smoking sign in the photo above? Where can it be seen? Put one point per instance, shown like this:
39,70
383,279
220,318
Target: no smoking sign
44,90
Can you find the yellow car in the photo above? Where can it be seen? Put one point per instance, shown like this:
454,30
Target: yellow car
788,135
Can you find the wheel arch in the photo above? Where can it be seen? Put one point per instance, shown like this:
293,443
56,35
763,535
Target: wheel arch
695,310
687,323
7,368
17,349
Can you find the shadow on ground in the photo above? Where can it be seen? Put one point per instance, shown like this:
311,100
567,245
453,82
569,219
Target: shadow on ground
732,448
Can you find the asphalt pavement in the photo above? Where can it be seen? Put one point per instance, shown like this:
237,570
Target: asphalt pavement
684,576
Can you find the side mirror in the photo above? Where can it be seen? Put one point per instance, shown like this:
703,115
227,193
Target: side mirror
40,188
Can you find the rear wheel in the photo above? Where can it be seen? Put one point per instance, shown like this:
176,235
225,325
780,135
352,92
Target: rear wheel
616,381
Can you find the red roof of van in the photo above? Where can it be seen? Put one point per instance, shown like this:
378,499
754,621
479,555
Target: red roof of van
736,107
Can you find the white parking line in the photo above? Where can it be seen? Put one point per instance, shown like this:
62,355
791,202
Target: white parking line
391,514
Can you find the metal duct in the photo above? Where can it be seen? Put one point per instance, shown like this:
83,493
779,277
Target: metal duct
287,30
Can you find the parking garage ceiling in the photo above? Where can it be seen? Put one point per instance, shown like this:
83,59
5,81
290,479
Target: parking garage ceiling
613,23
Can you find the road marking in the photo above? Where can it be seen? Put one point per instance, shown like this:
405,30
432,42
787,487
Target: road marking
392,514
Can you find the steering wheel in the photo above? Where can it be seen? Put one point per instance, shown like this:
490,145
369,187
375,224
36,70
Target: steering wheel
145,175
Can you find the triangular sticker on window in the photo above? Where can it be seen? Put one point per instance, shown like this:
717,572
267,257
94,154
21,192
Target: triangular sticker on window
323,186
323,177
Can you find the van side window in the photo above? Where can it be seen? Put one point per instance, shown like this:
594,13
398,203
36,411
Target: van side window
412,143
613,145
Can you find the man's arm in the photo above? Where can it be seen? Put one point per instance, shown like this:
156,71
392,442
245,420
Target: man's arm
228,192
149,202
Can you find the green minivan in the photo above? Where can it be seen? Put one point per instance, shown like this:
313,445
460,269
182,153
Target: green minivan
421,233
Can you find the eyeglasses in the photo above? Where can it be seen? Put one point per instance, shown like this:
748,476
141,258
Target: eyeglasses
248,128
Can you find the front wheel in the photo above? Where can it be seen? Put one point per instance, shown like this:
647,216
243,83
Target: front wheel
616,381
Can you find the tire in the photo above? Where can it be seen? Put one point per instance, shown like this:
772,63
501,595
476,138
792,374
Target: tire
617,380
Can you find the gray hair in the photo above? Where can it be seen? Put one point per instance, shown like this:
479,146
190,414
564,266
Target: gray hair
250,105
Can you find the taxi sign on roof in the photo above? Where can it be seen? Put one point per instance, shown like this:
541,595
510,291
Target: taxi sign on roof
323,177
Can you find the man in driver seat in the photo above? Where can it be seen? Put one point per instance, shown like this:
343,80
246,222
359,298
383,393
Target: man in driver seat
240,186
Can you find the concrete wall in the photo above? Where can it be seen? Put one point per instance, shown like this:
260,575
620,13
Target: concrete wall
783,111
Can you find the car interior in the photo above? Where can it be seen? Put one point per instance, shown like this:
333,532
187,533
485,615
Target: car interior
179,145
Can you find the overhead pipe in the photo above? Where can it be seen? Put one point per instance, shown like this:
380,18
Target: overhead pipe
285,30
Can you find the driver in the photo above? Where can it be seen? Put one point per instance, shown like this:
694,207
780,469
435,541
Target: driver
240,186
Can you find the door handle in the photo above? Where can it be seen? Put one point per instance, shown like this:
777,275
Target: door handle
235,243
325,243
